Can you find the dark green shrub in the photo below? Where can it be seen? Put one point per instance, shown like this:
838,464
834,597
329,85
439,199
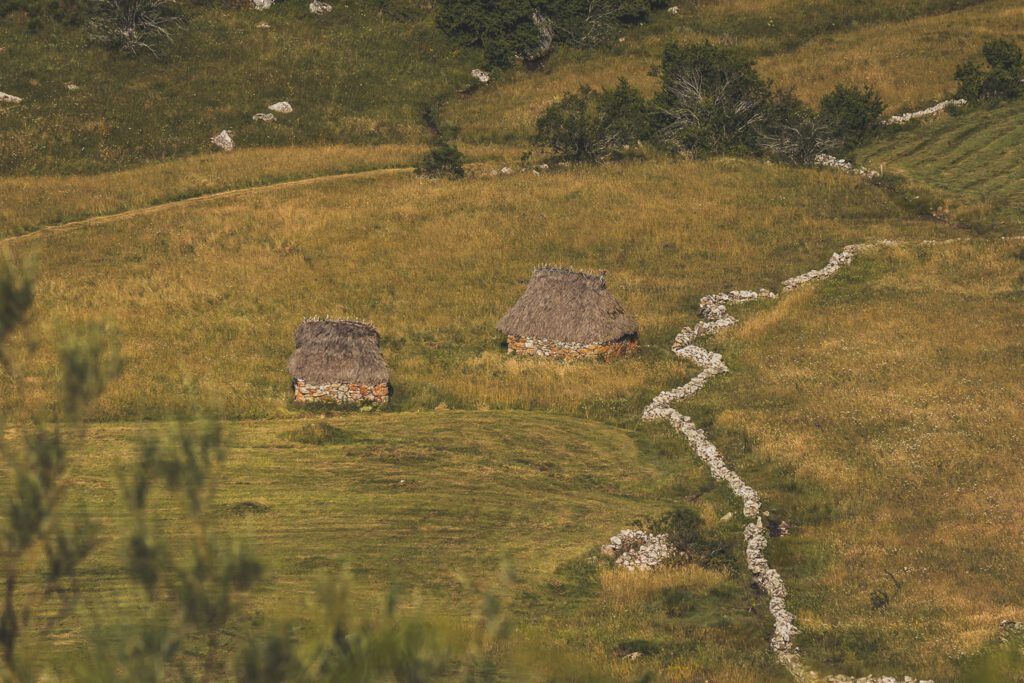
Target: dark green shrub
592,126
853,114
790,131
528,28
1000,80
711,101
443,160
503,28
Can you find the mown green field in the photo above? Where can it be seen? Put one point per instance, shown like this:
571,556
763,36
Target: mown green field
434,505
973,157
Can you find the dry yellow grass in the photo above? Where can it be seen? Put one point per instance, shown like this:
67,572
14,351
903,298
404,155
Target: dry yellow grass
882,415
206,298
910,63
33,201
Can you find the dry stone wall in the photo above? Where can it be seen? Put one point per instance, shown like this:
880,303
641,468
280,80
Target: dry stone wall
344,394
549,348
714,316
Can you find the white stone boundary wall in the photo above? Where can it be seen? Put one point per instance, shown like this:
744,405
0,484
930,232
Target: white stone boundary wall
900,119
715,316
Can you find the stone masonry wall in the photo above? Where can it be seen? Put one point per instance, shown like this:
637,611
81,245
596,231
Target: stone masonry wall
341,393
525,346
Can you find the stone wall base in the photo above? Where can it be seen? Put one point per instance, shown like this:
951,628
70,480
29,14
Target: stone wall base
547,348
345,394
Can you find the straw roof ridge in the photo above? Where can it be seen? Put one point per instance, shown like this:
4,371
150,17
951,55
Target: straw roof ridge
566,305
329,351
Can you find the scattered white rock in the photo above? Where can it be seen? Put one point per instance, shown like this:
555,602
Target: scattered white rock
281,108
829,161
674,9
633,656
8,99
505,170
71,86
319,8
481,75
900,119
262,4
634,549
223,140
263,24
263,117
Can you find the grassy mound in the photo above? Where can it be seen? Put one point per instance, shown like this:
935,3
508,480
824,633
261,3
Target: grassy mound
880,415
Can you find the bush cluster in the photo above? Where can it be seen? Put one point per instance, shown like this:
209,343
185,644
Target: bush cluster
443,160
711,101
1001,77
529,28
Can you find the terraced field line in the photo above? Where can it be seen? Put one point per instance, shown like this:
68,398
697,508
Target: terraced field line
212,196
715,316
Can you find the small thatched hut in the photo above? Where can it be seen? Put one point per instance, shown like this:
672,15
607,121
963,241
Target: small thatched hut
338,361
568,314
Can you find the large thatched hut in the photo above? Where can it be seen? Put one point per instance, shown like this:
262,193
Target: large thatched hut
338,361
568,314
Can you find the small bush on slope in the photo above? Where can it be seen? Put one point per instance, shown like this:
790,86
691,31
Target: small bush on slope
443,160
853,114
593,126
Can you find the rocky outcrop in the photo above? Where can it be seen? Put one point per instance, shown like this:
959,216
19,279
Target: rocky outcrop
262,4
634,549
281,108
319,8
263,117
8,99
223,140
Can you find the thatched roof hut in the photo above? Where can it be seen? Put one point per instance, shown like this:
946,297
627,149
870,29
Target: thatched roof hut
568,306
337,352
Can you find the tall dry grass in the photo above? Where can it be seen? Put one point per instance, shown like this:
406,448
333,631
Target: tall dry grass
205,298
910,63
34,201
882,415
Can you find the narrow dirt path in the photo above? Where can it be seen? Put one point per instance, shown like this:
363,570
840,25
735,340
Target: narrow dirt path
103,219
715,316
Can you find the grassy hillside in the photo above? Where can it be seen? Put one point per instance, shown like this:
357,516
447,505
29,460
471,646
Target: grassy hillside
880,415
205,298
361,74
973,157
432,504
910,63
356,75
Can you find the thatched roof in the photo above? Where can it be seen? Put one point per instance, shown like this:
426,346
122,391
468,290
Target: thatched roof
337,351
568,306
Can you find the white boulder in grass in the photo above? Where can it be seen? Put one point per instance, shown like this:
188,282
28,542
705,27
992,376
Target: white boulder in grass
281,108
9,99
262,4
319,8
223,140
263,117
481,75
